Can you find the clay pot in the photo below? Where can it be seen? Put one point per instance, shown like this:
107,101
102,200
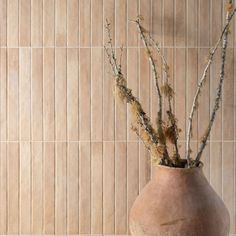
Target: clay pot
179,202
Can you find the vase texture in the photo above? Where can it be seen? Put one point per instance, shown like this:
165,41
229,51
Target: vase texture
179,202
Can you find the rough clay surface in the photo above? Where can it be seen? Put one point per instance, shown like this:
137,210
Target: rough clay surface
179,202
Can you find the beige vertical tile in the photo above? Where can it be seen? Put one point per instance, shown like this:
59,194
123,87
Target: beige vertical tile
25,188
120,106
13,188
48,22
24,23
228,180
3,22
96,187
61,188
132,173
132,12
36,23
3,145
73,188
216,133
191,84
4,189
37,188
85,188
73,23
109,14
234,193
25,134
96,94
108,104
194,148
216,16
204,23
37,94
3,94
12,23
204,106
60,24
108,188
232,39
192,22
180,89
157,21
207,162
49,188
97,22
25,93
232,25
132,81
49,94
60,95
228,94
144,96
144,166
121,217
180,22
182,145
85,23
108,81
121,24
13,94
85,94
234,98
168,23
73,93
216,166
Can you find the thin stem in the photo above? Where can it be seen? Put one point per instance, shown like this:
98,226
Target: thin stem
140,118
171,115
203,78
220,86
156,77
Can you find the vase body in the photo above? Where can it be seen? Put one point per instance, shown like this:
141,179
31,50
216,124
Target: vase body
179,202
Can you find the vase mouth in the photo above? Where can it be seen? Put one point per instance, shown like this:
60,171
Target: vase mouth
199,167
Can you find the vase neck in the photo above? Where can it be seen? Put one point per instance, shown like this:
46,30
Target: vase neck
176,176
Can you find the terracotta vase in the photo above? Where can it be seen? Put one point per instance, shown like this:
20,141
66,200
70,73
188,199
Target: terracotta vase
179,202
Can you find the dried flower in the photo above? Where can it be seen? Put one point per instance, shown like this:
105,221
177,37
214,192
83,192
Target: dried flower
167,90
230,7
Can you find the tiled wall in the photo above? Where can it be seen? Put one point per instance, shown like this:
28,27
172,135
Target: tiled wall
68,161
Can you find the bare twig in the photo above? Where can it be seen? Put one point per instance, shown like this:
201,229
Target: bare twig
220,85
135,129
170,113
139,116
203,78
156,77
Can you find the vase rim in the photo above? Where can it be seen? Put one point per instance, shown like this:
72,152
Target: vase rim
179,168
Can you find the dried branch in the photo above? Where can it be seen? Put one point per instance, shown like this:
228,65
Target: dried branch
139,118
203,79
161,135
168,91
229,16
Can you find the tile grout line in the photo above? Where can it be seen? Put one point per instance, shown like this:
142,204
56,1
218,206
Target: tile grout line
115,47
43,147
115,116
91,97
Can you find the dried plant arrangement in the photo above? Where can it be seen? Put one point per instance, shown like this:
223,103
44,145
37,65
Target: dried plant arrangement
162,137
